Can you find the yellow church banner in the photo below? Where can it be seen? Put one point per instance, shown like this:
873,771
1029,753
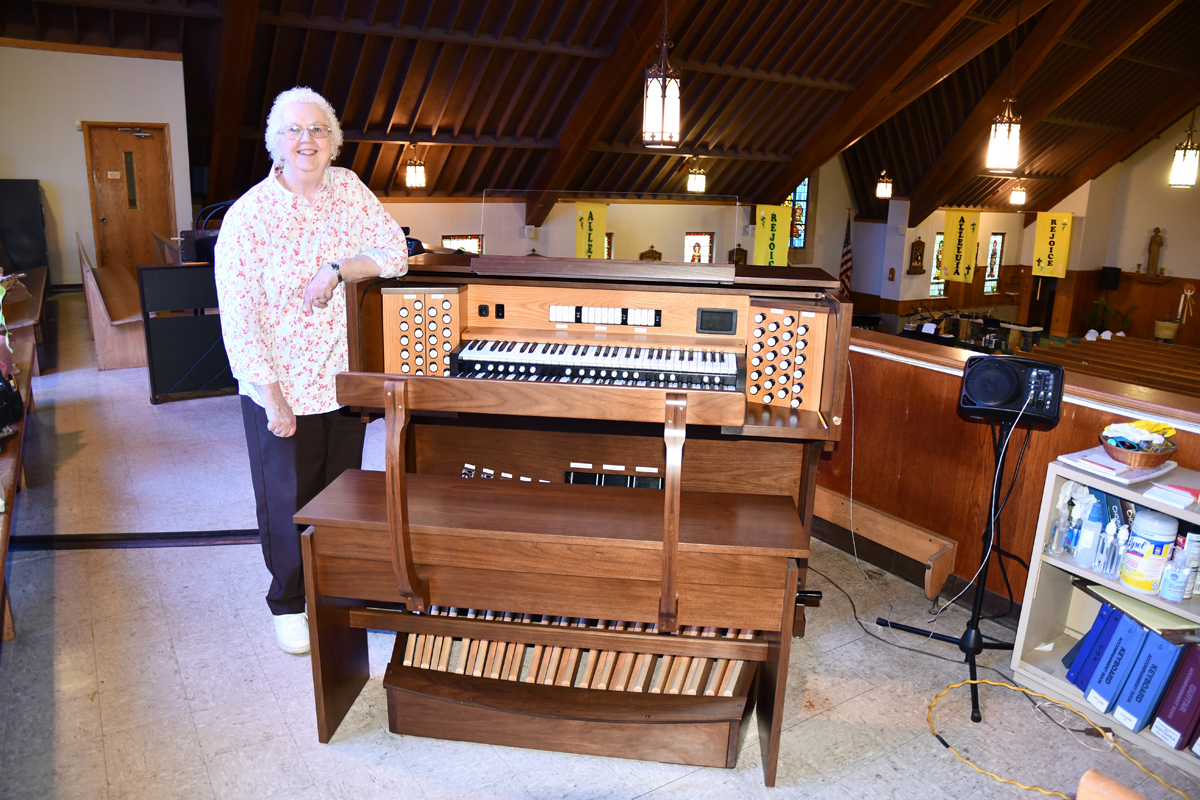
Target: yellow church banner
774,225
958,251
1052,244
589,229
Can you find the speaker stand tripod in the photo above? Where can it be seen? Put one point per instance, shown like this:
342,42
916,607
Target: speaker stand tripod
972,642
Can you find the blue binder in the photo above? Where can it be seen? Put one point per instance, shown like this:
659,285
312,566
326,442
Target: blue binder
1147,682
1080,673
1118,660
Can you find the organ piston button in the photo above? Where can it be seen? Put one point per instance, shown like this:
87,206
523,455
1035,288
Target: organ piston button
446,361
754,362
418,333
433,366
797,387
758,318
446,333
803,329
446,304
768,384
417,305
432,340
771,356
783,378
446,318
403,313
418,319
418,347
772,341
787,336
795,402
752,390
801,344
789,321
785,350
404,354
756,375
756,347
785,364
800,359
767,398
403,340
770,370
774,326
433,324
447,346
404,367
781,394
758,332
403,325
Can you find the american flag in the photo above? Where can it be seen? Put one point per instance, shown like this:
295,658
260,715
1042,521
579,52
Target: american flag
847,259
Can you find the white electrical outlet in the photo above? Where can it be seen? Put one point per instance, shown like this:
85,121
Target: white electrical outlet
529,232
748,230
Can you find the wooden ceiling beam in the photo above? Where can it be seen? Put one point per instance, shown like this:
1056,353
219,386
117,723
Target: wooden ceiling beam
937,72
964,147
237,46
330,23
748,73
906,52
702,152
1166,114
1143,16
174,8
611,83
1146,62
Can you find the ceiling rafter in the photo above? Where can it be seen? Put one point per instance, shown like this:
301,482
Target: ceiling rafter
693,65
597,104
174,8
1146,62
1153,124
905,53
964,147
322,22
237,46
1131,27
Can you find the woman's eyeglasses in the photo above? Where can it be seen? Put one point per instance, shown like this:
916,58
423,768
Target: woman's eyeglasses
315,131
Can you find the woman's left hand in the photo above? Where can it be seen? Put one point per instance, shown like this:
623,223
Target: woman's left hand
320,289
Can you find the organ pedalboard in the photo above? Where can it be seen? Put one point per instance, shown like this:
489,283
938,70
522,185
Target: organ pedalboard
773,354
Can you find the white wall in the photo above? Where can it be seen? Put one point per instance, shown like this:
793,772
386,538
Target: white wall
1144,201
43,93
867,240
828,226
1011,224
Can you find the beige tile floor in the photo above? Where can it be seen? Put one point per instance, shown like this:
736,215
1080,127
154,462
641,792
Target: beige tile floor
153,673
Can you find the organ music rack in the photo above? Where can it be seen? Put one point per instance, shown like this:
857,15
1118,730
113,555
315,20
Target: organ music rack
590,619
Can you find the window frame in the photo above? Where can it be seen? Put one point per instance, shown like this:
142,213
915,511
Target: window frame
712,245
999,263
935,282
476,237
804,255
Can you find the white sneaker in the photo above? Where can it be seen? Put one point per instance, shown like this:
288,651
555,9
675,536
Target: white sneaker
291,632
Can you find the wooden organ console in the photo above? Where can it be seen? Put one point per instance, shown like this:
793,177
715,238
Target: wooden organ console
608,591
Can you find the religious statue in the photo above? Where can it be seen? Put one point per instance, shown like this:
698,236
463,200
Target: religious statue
916,260
1156,243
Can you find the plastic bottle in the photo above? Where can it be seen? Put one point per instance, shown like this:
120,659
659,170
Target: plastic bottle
1089,537
1058,535
1174,580
1191,557
1114,558
1108,540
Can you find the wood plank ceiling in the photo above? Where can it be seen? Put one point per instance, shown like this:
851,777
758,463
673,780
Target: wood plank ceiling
531,96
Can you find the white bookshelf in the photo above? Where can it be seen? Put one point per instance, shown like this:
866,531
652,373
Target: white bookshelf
1057,614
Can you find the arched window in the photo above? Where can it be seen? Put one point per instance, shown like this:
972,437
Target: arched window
799,203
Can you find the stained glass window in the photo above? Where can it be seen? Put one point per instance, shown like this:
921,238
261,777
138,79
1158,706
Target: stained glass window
991,278
608,245
698,247
799,203
470,242
937,283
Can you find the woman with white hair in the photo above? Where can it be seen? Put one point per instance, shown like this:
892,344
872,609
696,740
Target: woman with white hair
284,251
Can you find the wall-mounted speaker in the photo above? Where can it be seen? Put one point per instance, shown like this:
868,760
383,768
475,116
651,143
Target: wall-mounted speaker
1110,278
1013,390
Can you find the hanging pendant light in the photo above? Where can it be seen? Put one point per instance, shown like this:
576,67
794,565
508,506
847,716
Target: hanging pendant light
1187,158
697,178
1004,145
1018,194
414,173
660,118
883,189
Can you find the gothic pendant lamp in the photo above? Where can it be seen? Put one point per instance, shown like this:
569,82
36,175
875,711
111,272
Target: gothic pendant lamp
1018,194
883,189
1187,158
1004,145
414,173
660,120
697,178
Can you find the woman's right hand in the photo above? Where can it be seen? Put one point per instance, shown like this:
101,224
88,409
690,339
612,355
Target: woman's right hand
281,421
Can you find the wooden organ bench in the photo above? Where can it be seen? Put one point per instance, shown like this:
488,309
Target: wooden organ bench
618,594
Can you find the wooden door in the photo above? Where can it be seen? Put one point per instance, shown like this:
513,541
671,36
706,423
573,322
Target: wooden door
129,166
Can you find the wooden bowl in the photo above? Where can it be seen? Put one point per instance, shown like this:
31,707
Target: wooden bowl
1136,458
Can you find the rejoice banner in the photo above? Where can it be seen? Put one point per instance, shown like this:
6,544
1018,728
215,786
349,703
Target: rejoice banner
771,235
1052,244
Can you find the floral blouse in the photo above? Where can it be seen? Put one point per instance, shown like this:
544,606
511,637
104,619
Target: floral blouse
272,243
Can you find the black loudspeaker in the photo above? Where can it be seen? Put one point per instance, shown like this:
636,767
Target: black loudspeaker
1110,278
997,388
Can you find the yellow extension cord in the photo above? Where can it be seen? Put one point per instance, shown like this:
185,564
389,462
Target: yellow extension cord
1048,792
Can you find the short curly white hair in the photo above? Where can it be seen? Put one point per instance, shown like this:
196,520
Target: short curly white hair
300,94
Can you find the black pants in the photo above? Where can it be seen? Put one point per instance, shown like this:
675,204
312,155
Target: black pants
287,473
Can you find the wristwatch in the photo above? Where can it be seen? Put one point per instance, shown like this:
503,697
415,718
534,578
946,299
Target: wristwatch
337,270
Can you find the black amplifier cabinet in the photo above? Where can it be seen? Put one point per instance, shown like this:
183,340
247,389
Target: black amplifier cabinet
997,388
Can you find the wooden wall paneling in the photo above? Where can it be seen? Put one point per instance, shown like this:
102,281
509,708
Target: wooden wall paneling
1155,298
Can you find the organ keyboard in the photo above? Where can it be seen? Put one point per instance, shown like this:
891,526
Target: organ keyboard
649,591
